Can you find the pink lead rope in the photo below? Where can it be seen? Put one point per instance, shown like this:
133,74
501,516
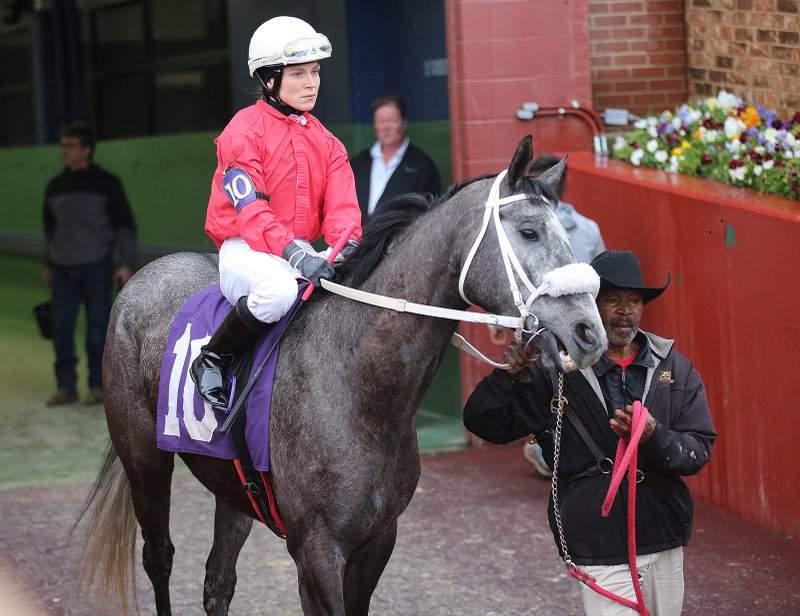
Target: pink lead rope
627,454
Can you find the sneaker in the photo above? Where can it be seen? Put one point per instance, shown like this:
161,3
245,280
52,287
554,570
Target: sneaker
62,397
533,454
95,396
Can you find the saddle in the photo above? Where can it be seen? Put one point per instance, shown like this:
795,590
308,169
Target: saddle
185,423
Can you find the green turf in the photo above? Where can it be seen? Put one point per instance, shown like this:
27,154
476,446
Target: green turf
41,444
38,444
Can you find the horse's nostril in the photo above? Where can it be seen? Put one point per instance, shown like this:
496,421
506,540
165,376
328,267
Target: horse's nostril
584,335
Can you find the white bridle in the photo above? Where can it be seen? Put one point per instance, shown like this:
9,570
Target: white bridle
566,280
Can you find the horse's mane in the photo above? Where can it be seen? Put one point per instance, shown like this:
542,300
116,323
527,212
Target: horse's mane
398,213
391,218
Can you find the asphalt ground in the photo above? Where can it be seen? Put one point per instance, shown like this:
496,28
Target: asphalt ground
474,541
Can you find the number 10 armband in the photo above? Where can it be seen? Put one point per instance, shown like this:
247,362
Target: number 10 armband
239,188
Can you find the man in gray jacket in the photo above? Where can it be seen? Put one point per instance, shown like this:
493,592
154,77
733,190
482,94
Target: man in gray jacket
584,233
677,440
87,223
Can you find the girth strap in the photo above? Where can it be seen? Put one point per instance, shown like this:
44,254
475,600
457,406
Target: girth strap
255,482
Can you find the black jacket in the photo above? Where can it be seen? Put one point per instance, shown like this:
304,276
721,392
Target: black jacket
504,408
415,173
87,217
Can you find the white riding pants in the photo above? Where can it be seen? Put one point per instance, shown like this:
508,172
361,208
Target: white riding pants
268,281
661,577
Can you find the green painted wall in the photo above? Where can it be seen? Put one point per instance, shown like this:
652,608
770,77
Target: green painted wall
166,178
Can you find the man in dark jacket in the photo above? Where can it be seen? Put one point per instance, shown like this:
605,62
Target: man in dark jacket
677,440
87,222
393,165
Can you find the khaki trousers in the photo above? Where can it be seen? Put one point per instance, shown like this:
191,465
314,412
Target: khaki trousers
661,577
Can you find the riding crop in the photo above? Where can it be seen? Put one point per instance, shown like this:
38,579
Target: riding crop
237,408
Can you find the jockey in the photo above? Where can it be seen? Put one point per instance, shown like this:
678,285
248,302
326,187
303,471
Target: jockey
282,181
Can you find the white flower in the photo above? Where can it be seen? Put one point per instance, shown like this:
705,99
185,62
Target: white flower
652,120
661,156
758,169
734,127
652,131
727,100
673,164
760,149
734,146
677,122
770,135
619,142
789,154
640,124
710,136
652,145
769,164
737,174
636,156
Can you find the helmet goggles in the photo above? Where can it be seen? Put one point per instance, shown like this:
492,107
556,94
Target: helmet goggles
299,51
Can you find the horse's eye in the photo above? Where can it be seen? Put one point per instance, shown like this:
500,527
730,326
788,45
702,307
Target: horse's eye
529,234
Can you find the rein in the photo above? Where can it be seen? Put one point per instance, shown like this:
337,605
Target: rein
566,280
625,461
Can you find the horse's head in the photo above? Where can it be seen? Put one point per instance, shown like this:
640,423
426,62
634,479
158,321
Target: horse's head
531,244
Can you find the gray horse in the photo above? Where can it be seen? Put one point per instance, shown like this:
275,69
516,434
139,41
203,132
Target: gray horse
349,380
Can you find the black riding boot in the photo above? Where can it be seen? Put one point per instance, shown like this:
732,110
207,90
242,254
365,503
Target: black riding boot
237,328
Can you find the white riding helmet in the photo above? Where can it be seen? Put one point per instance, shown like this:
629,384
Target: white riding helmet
286,40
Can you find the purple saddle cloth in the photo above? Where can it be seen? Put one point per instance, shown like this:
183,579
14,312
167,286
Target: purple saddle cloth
185,422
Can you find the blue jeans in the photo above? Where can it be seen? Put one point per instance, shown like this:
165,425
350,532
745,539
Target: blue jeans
90,285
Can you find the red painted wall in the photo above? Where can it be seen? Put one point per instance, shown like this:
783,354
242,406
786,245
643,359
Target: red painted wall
502,54
732,308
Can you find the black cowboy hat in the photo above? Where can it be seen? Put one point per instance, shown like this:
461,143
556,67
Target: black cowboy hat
619,269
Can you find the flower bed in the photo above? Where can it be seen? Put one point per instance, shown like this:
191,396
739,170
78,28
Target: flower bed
720,139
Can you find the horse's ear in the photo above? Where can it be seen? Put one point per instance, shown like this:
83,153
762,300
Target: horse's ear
552,176
521,161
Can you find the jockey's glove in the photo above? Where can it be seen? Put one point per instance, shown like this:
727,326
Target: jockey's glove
309,266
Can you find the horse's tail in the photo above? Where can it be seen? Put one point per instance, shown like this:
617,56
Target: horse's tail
109,550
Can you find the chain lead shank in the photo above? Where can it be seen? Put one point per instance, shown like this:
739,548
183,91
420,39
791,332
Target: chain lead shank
557,406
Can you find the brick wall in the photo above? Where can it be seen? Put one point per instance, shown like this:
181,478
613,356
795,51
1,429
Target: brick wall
638,54
749,47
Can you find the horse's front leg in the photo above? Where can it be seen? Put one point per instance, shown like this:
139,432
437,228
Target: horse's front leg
364,568
320,561
231,529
